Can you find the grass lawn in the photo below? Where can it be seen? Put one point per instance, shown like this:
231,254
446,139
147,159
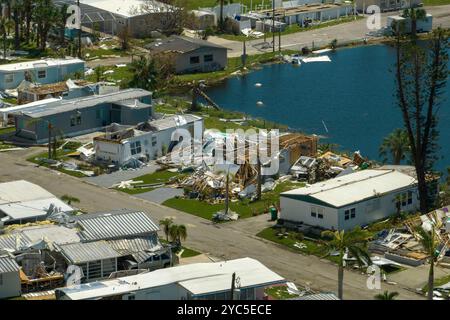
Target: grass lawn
437,283
244,208
435,2
7,130
121,76
195,4
4,146
61,155
187,253
152,178
289,241
279,293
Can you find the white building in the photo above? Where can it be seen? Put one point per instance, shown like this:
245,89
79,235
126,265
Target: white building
200,281
22,201
355,199
148,140
9,278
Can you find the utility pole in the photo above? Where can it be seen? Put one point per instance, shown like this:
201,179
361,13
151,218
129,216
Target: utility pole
79,31
273,26
233,280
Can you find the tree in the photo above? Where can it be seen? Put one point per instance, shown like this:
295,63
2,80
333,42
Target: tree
17,9
396,146
69,199
5,26
415,15
144,73
221,19
45,17
429,242
421,75
166,224
178,232
99,73
353,242
386,295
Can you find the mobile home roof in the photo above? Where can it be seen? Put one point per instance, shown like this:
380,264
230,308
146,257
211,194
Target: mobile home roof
354,187
27,65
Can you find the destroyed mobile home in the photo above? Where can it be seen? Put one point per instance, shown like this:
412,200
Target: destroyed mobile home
69,248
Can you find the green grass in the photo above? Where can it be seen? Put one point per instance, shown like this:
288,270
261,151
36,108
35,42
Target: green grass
244,208
435,2
312,247
121,76
10,100
61,155
4,146
7,130
437,283
187,253
279,293
152,178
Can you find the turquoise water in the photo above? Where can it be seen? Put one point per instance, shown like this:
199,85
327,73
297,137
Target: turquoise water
353,95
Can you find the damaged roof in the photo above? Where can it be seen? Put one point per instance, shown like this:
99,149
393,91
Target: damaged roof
115,224
8,264
81,252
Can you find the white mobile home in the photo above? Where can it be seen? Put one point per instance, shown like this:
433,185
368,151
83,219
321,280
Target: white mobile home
148,140
356,199
198,281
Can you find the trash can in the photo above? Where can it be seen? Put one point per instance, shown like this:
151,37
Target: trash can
273,213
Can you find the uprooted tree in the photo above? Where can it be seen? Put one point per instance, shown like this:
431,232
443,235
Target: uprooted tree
421,73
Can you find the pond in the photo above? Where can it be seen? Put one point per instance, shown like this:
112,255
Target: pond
349,101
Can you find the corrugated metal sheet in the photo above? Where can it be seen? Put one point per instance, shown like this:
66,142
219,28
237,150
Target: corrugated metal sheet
14,242
318,296
113,225
130,246
8,264
84,252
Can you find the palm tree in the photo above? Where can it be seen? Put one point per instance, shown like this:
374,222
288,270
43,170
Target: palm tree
354,242
166,224
99,73
396,145
386,295
69,199
429,242
415,15
221,20
6,25
144,73
177,232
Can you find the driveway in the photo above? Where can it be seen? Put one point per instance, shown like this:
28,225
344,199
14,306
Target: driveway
107,180
160,195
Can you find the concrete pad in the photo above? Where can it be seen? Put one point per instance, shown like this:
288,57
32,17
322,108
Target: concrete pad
107,180
160,195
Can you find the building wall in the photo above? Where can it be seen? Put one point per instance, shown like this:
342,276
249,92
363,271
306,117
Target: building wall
53,74
92,119
323,15
376,209
183,61
9,285
170,291
152,144
386,5
300,211
366,212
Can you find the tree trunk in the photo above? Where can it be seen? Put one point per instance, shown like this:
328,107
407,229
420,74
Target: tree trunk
431,278
16,31
221,15
422,188
340,281
226,195
4,45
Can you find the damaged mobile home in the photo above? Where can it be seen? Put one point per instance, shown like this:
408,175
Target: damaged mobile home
147,140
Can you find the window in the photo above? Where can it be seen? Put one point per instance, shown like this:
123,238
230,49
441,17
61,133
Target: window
42,74
313,212
9,77
410,197
350,214
209,58
195,60
72,121
135,147
320,213
154,141
78,119
75,120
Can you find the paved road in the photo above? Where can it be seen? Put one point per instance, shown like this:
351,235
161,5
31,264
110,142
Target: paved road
345,32
227,241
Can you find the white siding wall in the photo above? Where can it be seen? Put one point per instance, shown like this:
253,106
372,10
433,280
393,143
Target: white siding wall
9,285
365,212
376,209
168,292
300,211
